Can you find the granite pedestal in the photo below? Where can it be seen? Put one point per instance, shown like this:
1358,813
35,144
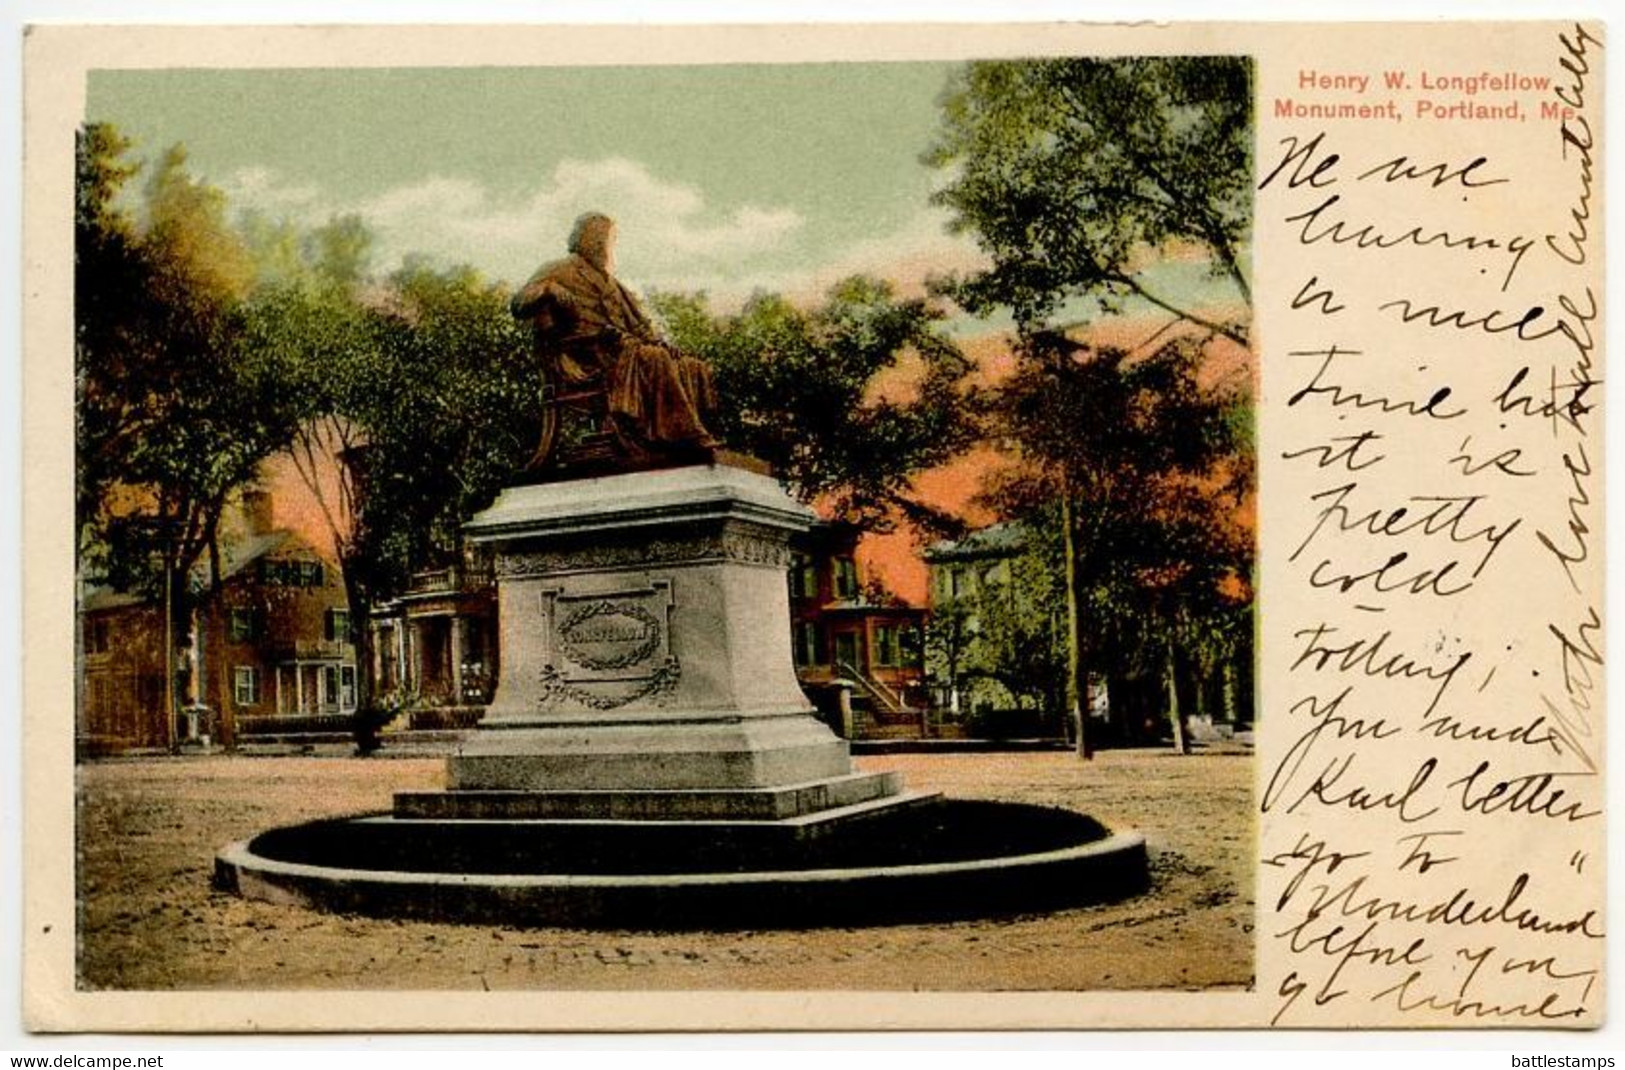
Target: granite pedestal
646,668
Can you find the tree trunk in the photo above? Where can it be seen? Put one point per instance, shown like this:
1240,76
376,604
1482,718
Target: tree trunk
81,713
365,719
172,586
225,712
1077,673
1182,742
1229,672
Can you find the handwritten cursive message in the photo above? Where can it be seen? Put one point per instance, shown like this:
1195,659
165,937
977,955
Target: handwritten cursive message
1431,798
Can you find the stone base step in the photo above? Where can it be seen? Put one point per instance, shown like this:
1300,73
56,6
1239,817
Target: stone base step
789,801
823,821
950,860
711,843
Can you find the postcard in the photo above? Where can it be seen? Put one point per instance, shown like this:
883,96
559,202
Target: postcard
819,527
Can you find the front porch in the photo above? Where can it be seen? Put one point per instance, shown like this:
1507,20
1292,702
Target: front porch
435,649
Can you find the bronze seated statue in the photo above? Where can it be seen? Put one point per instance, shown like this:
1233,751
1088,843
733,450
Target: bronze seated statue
644,403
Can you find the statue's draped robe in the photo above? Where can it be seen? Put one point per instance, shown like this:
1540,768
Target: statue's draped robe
598,332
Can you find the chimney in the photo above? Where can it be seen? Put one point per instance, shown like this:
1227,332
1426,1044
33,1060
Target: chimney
257,511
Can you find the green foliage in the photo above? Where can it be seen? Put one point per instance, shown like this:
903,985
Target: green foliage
167,421
948,639
340,251
1021,722
1022,634
200,259
115,354
846,401
421,391
1008,627
450,414
1069,171
1077,176
203,348
1157,467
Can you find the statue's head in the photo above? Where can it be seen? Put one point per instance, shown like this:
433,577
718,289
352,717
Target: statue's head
593,239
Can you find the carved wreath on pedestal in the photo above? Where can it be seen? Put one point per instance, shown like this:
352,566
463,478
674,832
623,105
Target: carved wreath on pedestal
555,688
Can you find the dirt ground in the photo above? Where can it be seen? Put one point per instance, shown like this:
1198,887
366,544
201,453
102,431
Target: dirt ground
148,831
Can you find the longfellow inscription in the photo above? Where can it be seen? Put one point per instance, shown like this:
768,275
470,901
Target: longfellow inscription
605,635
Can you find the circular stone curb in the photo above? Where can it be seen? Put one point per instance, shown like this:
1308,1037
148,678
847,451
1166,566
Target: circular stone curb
1111,868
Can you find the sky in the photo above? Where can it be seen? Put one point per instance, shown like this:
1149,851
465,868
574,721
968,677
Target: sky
725,179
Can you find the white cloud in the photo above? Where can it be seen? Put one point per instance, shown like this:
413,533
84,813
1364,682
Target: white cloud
669,232
921,247
907,256
672,238
261,188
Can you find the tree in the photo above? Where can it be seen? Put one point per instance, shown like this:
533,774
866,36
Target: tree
168,425
948,638
112,305
458,415
1020,638
1071,171
1077,176
1136,473
846,401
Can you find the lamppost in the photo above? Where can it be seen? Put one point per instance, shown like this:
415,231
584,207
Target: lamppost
169,645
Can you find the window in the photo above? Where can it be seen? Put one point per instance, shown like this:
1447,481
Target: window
337,626
809,645
150,691
292,573
846,648
245,685
846,578
886,644
97,637
803,577
241,625
347,687
911,646
101,696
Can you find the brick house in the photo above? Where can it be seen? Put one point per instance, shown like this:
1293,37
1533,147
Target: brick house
858,656
270,649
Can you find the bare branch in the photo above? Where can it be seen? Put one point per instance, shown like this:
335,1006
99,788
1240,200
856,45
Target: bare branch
1218,328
